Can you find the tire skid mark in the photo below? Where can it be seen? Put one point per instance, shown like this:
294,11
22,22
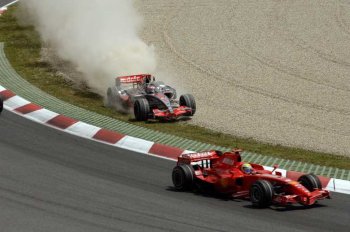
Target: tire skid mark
256,90
323,55
290,71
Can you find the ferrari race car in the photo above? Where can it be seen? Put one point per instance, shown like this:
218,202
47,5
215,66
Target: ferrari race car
223,173
149,99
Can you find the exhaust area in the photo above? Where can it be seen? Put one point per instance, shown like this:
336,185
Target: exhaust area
99,37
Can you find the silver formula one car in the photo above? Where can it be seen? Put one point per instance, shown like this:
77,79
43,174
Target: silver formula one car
149,99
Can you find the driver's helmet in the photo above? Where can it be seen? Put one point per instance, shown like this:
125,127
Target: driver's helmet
147,80
150,88
247,168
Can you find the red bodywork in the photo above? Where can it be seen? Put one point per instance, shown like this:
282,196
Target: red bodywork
223,172
167,115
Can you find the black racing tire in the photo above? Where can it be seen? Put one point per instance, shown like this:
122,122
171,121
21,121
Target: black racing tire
141,109
117,82
310,182
188,101
110,101
1,104
114,101
261,193
183,177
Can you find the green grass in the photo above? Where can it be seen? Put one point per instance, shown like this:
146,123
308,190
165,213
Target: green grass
22,47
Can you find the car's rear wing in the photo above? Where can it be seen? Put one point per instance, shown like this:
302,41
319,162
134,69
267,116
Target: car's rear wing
133,79
195,157
205,159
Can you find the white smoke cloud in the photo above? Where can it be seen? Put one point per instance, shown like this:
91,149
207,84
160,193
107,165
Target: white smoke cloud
100,37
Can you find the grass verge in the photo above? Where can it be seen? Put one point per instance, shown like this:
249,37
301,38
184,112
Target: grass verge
22,47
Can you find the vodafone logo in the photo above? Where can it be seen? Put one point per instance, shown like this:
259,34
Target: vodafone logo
132,79
197,155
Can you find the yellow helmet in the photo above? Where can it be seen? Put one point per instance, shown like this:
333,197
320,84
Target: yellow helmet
247,168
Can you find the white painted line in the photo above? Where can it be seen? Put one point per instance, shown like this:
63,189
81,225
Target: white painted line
162,157
340,186
2,88
42,115
4,8
15,102
11,3
83,129
135,144
330,185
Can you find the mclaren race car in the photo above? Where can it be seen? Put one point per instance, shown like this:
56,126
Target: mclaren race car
225,173
149,99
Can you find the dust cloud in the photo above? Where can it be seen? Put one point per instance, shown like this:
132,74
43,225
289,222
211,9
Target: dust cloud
99,37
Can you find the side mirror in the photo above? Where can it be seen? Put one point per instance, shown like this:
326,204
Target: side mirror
275,167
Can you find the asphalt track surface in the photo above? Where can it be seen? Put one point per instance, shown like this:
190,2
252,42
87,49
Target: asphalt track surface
52,181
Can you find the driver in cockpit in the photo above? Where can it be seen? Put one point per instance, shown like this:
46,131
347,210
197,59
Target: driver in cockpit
247,168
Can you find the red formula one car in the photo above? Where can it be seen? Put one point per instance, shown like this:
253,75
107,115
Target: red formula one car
225,173
149,99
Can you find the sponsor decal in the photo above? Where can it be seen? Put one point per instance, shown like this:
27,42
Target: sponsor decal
293,182
200,155
132,79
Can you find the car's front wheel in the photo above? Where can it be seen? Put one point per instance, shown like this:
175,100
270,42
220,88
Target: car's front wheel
310,181
188,101
261,193
141,109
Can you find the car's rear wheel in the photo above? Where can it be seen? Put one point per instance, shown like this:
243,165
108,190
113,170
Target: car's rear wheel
310,181
183,177
188,101
110,101
114,101
141,109
261,193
